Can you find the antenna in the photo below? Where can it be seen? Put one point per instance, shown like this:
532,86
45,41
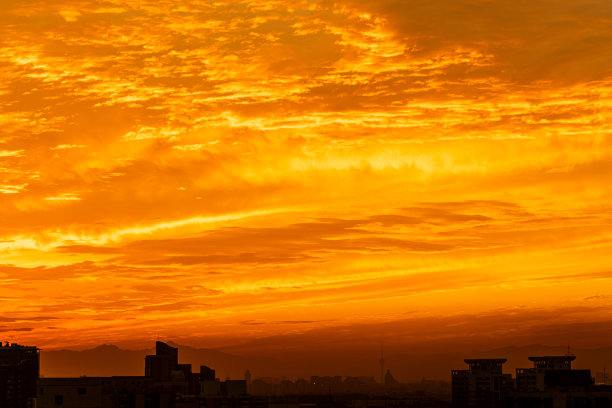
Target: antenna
382,365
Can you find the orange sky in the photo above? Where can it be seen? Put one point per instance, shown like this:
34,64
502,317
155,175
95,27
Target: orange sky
222,172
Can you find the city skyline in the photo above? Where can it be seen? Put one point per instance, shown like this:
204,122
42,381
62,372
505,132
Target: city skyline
411,367
171,382
311,177
114,365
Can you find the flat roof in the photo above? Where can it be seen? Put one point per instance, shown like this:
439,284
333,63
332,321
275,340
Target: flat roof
549,358
485,360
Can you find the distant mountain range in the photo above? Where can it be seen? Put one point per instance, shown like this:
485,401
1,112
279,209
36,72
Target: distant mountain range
108,360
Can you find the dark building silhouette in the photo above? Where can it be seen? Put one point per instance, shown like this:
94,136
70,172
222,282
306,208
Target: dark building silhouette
160,365
207,373
550,383
551,371
101,392
19,370
166,384
483,385
602,378
389,380
326,384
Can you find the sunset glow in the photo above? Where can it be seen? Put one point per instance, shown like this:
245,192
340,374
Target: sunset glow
233,173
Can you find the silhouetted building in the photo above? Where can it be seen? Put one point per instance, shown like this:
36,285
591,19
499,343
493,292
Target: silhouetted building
101,392
483,385
210,388
207,373
602,378
389,380
549,372
160,365
326,384
166,384
552,383
19,369
234,388
70,392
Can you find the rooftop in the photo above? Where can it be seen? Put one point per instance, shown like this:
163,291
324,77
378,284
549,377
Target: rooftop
15,346
485,360
553,358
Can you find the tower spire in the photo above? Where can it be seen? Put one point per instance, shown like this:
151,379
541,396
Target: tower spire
382,365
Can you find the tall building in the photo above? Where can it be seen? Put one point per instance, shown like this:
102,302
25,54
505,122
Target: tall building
483,385
160,365
166,384
19,370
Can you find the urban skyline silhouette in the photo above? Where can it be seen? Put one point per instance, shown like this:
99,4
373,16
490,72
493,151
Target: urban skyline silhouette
333,196
552,382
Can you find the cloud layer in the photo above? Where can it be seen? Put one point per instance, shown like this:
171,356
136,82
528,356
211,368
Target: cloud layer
227,171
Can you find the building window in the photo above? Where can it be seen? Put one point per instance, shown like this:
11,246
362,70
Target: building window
59,400
82,391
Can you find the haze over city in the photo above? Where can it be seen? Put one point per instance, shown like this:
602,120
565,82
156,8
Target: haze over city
306,178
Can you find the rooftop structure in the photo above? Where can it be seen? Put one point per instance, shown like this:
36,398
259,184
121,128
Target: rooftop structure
490,365
483,385
552,373
553,362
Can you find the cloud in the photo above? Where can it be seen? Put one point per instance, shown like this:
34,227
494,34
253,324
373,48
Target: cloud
291,243
6,329
26,319
571,49
87,249
173,167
